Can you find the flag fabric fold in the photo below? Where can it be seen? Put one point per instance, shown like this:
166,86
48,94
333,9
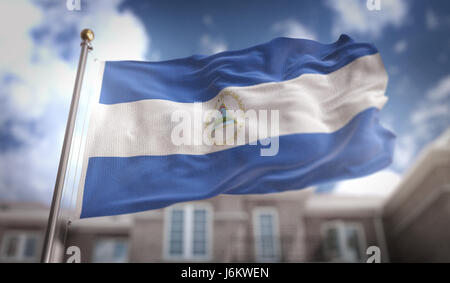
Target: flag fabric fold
328,97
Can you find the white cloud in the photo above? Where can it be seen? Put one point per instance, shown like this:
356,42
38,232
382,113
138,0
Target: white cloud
393,70
119,35
35,101
429,112
207,21
431,20
292,28
405,149
441,91
436,106
427,119
400,46
16,44
211,45
380,184
352,16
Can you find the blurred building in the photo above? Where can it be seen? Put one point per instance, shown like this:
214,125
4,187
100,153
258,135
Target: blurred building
300,226
417,216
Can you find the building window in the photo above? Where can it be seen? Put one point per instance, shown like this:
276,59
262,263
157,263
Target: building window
111,250
199,233
343,241
20,246
189,232
266,233
176,232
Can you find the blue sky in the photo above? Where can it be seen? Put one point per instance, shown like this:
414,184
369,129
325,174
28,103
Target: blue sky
41,45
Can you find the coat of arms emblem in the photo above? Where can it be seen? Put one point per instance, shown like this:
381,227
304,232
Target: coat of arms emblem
228,103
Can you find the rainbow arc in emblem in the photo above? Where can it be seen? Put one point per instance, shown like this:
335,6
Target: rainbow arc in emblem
225,119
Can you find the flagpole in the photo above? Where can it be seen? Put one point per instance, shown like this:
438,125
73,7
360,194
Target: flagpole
87,36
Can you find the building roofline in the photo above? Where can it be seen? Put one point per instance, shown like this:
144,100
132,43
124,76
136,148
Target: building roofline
435,155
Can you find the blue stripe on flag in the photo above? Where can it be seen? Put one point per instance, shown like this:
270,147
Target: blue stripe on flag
117,185
200,78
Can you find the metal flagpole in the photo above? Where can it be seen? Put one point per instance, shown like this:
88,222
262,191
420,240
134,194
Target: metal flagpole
87,36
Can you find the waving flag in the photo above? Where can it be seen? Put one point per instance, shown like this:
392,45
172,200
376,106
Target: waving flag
326,128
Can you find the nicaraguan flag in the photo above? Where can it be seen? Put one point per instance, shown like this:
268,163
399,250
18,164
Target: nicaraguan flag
323,103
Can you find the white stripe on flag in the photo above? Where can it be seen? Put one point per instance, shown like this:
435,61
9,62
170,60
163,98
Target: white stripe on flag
311,103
